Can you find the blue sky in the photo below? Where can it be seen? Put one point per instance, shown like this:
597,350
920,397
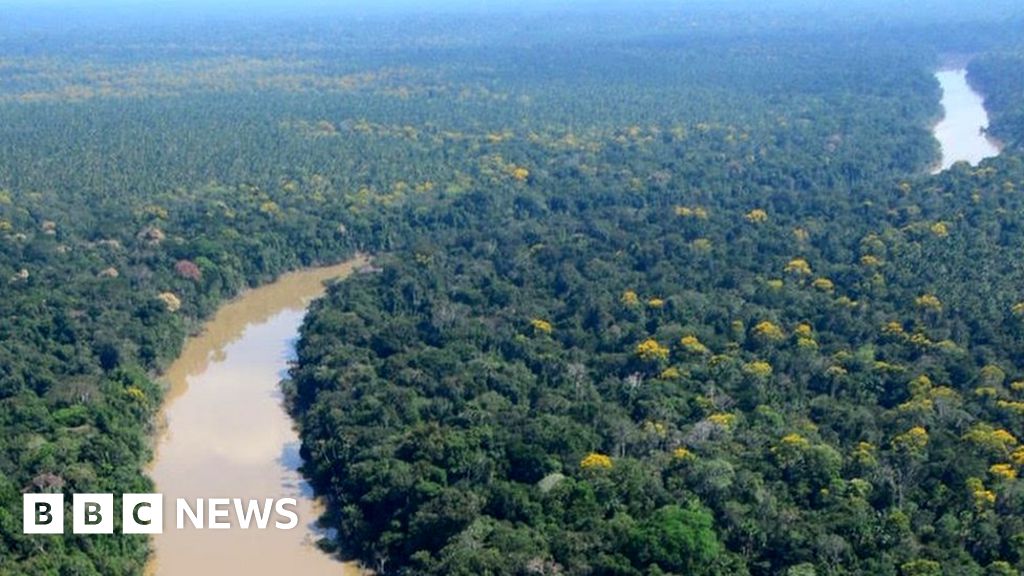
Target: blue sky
158,9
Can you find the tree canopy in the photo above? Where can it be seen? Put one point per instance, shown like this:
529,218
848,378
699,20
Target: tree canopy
659,292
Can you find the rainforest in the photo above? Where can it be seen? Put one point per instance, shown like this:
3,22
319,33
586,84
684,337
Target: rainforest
639,288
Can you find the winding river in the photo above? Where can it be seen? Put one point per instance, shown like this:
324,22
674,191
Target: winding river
226,434
961,130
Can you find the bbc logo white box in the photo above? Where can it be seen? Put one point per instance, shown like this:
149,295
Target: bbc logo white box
43,513
142,514
92,513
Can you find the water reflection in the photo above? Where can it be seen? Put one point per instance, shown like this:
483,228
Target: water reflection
961,131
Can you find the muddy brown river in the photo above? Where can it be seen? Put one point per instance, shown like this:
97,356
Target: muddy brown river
225,434
961,130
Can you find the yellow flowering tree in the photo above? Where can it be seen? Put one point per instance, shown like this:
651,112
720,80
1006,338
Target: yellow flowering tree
1003,471
693,345
519,173
823,284
541,326
681,453
691,212
805,337
807,344
768,332
629,298
864,455
758,368
651,350
928,302
135,393
701,245
912,442
794,440
756,216
790,449
893,328
870,261
981,496
798,267
670,373
596,461
270,208
995,441
1011,406
992,375
722,419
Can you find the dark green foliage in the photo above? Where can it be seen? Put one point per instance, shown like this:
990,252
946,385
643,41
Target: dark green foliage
676,540
1000,78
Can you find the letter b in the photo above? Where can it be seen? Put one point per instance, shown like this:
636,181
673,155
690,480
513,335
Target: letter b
93,514
43,513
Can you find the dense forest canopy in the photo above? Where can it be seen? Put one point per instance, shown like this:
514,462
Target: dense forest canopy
664,291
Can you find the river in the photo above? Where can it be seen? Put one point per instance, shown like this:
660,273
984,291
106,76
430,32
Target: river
960,130
225,433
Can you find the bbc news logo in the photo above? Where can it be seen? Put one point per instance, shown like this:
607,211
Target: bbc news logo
144,513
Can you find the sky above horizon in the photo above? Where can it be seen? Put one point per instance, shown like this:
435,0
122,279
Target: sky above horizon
77,13
487,5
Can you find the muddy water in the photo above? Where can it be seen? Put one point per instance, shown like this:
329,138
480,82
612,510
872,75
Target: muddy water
960,130
226,434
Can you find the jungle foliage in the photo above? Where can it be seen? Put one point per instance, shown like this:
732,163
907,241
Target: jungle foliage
652,301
